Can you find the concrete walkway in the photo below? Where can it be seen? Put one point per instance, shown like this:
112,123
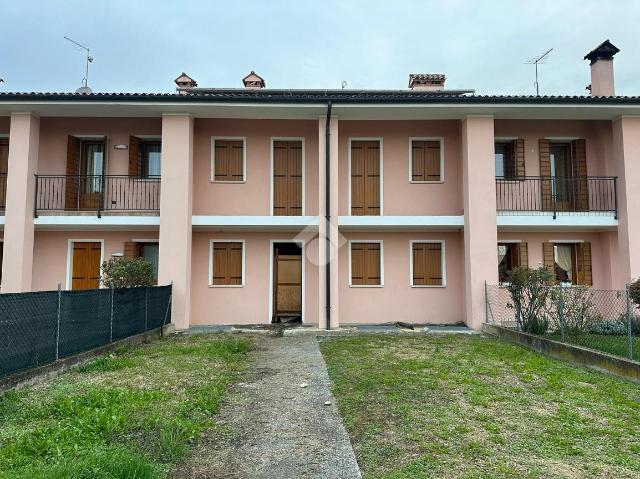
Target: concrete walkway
276,428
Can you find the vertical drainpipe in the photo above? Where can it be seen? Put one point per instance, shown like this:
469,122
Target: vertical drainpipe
327,217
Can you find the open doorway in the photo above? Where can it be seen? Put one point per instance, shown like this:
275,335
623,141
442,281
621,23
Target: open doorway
287,283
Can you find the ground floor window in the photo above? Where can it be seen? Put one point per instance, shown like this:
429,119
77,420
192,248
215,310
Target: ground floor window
427,263
148,250
510,255
570,263
365,265
226,265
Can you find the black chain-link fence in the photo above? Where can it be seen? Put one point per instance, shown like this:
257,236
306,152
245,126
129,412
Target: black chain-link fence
604,320
39,328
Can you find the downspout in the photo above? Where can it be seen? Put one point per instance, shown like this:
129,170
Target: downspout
327,213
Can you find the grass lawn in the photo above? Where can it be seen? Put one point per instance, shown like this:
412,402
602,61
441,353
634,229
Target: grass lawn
127,415
457,406
607,343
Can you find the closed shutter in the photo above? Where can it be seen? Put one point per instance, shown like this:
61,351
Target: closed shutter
519,157
583,266
229,160
287,178
523,255
365,178
545,173
365,264
227,264
135,158
425,160
427,264
72,180
579,163
548,259
131,249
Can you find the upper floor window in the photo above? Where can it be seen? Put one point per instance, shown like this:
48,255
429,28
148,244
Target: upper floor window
570,263
228,160
427,160
145,157
509,158
365,185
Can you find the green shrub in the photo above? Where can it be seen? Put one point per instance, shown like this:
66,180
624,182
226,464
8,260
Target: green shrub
608,327
576,306
125,272
529,290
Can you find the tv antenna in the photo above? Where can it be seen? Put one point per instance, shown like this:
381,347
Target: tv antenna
539,60
85,81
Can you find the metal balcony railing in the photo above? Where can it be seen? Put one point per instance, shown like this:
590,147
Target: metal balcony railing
96,193
557,195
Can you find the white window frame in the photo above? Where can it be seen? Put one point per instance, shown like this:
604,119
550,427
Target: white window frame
439,139
70,243
302,244
381,243
213,159
443,263
379,139
244,263
304,176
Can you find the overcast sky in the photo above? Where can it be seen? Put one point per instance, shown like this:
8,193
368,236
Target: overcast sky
141,46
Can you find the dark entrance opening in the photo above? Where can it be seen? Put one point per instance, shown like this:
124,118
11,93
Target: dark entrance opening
287,283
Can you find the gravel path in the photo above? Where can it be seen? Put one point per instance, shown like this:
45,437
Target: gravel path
276,428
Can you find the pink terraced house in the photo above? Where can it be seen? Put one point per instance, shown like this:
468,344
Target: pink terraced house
331,206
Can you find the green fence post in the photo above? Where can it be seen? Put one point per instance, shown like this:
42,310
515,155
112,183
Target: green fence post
629,318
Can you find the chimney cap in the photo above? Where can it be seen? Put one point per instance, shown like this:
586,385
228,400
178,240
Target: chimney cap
426,79
605,51
186,81
253,80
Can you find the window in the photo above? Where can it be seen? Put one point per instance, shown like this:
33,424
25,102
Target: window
365,187
570,263
148,250
427,263
505,159
427,159
226,267
228,160
365,265
150,151
511,255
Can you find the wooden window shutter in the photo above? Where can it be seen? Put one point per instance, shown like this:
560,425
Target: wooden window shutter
135,158
583,266
548,258
519,157
545,172
579,162
287,178
523,255
227,264
131,249
229,160
365,178
73,170
425,160
427,264
366,264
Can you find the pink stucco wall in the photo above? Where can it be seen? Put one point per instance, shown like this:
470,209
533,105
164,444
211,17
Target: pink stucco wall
50,256
396,300
400,196
54,132
248,304
253,196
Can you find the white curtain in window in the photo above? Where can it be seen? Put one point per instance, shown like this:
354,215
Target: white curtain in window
502,252
564,259
150,253
154,163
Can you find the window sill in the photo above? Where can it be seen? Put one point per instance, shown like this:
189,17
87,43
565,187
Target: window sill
429,182
429,286
223,182
366,285
226,285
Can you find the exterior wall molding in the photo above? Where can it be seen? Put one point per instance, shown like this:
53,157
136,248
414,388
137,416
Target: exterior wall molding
354,223
546,222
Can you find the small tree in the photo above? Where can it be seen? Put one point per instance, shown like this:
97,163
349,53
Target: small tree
529,290
125,272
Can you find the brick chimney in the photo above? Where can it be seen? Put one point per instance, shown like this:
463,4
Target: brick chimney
601,59
426,81
184,81
253,81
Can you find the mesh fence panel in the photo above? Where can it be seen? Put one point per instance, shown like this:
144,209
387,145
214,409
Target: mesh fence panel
38,328
604,320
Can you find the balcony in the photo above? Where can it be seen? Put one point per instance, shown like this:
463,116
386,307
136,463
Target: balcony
97,195
589,195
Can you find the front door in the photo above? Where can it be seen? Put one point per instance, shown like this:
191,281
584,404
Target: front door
86,265
562,174
91,170
287,281
287,178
